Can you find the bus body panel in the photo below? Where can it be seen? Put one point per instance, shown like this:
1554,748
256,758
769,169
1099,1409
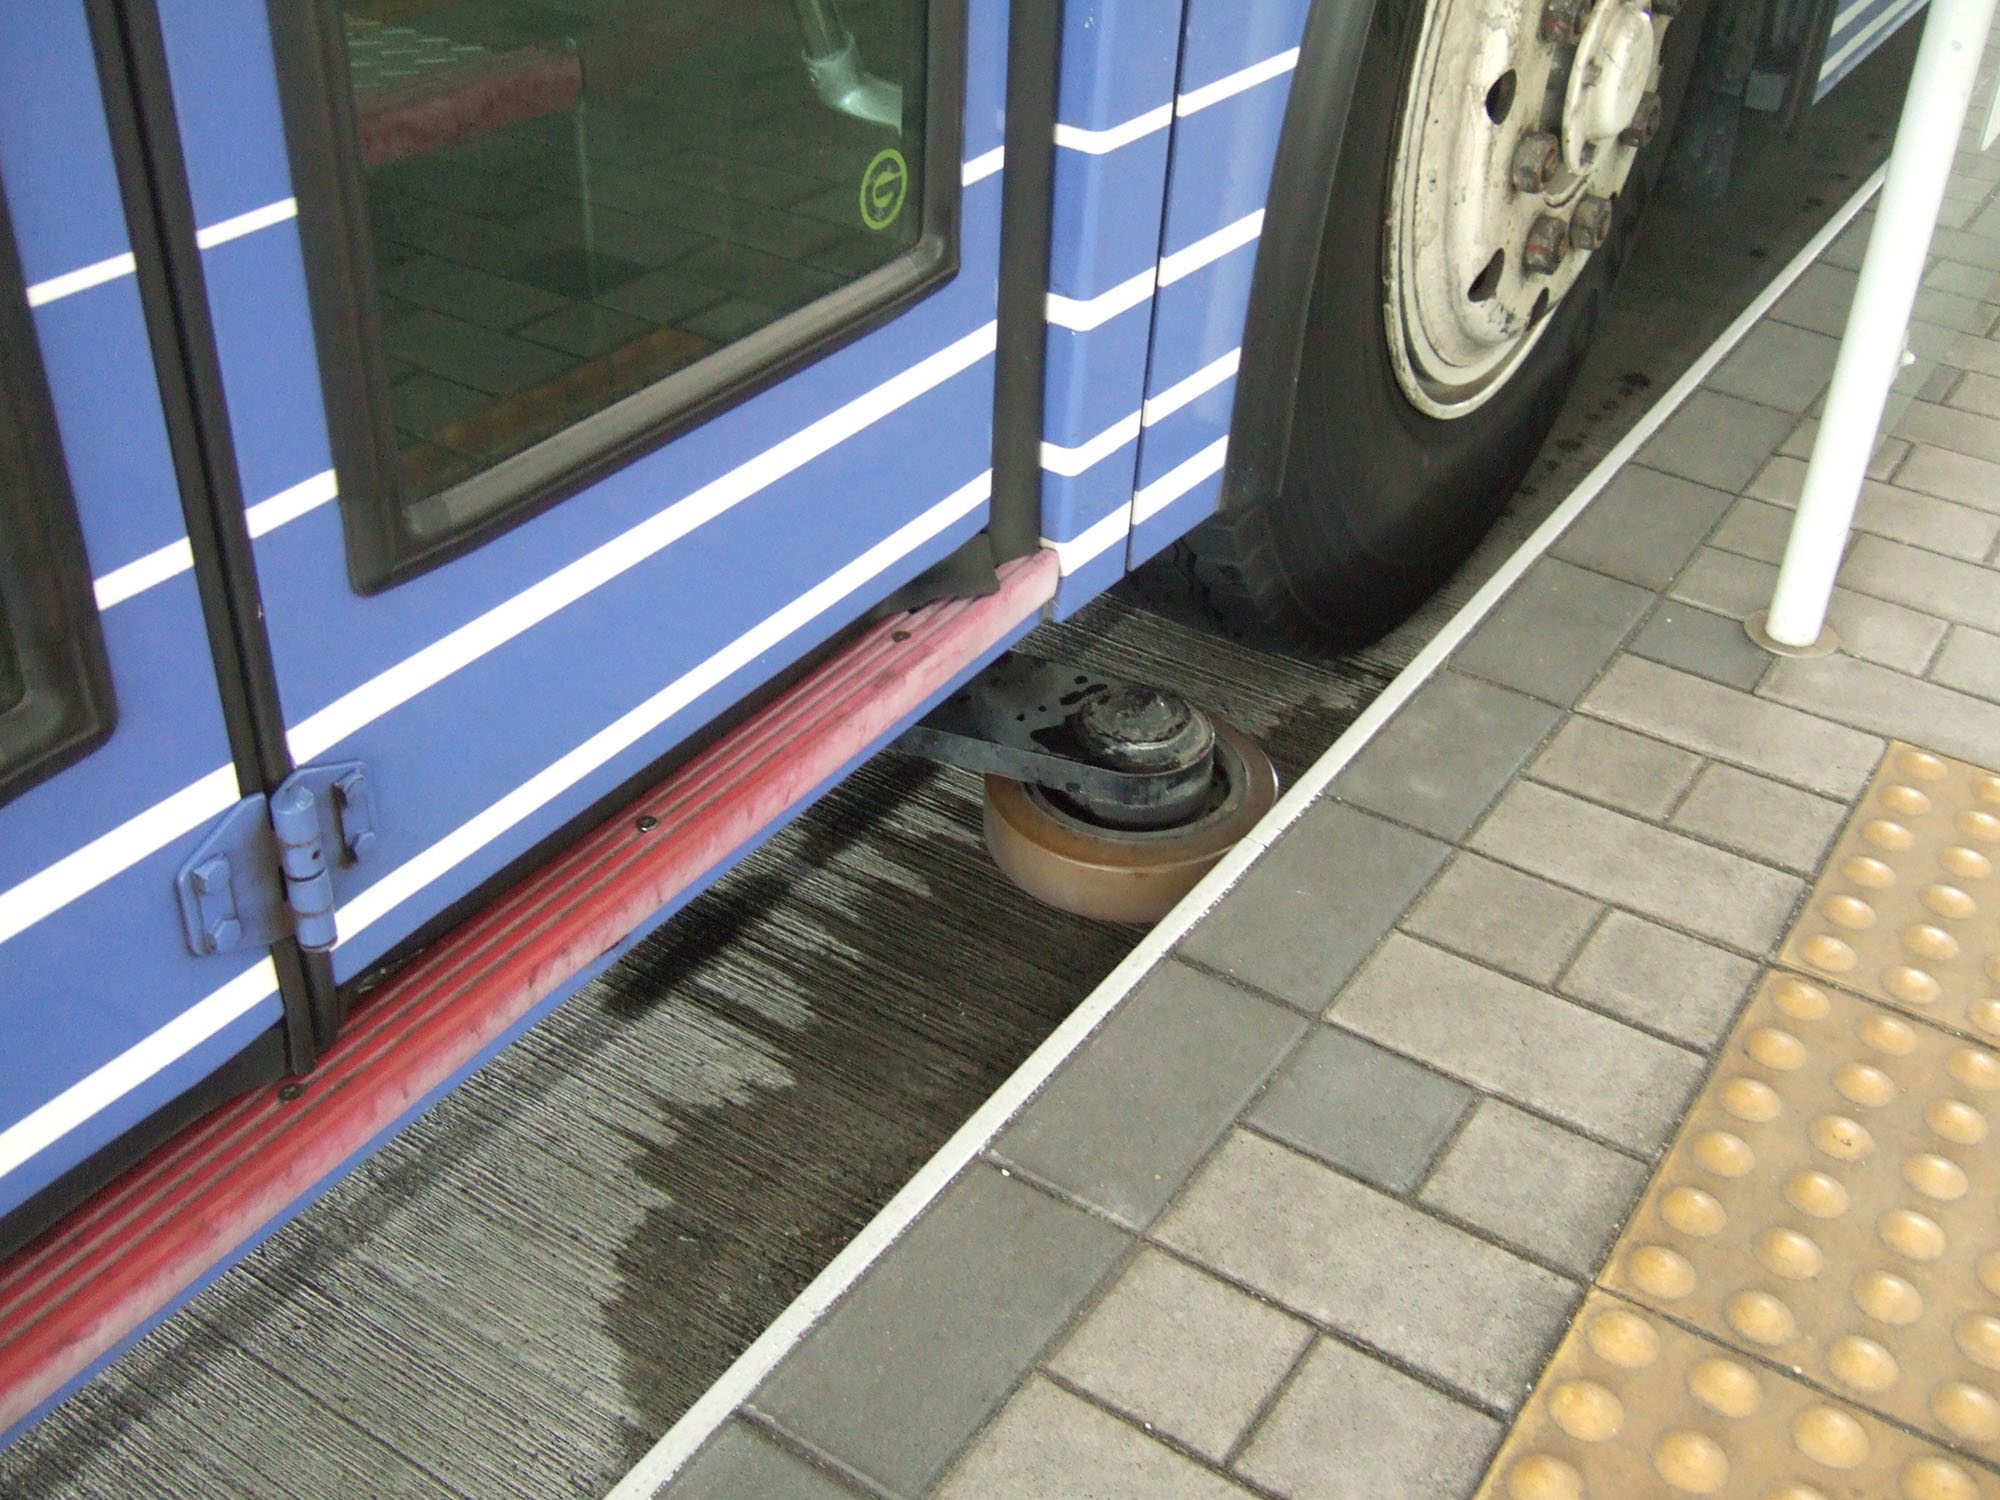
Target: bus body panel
107,1014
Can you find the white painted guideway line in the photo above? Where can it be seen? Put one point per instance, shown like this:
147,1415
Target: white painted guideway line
685,1438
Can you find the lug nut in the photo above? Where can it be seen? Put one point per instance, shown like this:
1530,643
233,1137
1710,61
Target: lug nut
1645,123
1562,20
1590,225
1536,158
1548,241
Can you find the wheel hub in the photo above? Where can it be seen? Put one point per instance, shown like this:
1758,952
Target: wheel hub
1615,65
1518,111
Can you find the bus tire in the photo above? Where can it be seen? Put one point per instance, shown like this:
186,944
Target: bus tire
1378,500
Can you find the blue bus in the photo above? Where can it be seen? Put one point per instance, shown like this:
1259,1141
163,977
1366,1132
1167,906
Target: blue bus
469,469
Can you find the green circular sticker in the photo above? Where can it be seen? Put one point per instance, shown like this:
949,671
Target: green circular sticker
884,186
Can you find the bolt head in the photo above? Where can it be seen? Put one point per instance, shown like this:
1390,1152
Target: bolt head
1548,242
1536,157
1645,123
1590,225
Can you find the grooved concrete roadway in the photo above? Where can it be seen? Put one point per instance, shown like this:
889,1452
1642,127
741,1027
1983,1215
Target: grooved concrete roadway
1309,1214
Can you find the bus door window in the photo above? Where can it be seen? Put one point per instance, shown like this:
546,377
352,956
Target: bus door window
567,204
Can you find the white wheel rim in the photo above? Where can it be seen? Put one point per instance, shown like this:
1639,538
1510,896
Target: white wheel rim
1457,331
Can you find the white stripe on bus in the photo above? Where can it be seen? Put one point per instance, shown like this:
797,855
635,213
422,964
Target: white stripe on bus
250,223
1177,481
1241,81
396,887
96,1091
500,624
1103,142
1192,389
1070,462
1095,540
1084,314
55,886
1211,248
1081,315
157,566
982,166
83,278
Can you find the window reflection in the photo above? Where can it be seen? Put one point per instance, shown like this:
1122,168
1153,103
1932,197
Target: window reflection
12,687
572,199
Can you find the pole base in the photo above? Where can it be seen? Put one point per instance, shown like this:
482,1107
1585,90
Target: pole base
1826,645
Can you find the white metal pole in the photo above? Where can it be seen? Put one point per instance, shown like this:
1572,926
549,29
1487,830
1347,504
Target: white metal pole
1871,351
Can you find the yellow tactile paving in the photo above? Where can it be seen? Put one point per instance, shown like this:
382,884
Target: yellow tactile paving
1633,1406
1806,1304
1830,1206
1908,909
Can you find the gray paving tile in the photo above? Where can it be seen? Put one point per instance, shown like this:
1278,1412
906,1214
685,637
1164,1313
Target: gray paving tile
1818,300
1643,527
1778,364
1717,440
1950,309
1447,754
1962,277
1366,1111
1608,764
1976,392
1500,1035
1141,1102
1182,1352
1942,586
1628,863
1975,353
739,1461
1353,1428
1703,643
1313,908
1891,635
1872,697
1049,1443
1851,244
1963,246
912,1361
1511,920
1761,818
1554,631
1725,725
1970,662
1536,1185
1951,476
1664,980
1754,527
1412,1286
1944,427
1726,583
1889,451
1888,510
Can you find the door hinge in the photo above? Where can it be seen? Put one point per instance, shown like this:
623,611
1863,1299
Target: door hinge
277,867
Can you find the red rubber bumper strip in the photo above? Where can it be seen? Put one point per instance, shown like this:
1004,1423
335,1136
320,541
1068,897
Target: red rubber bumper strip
93,1280
429,114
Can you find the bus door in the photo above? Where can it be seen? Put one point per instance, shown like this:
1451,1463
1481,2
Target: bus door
587,364
123,702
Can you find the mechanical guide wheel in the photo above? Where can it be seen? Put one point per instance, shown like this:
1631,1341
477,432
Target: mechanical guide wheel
1120,874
